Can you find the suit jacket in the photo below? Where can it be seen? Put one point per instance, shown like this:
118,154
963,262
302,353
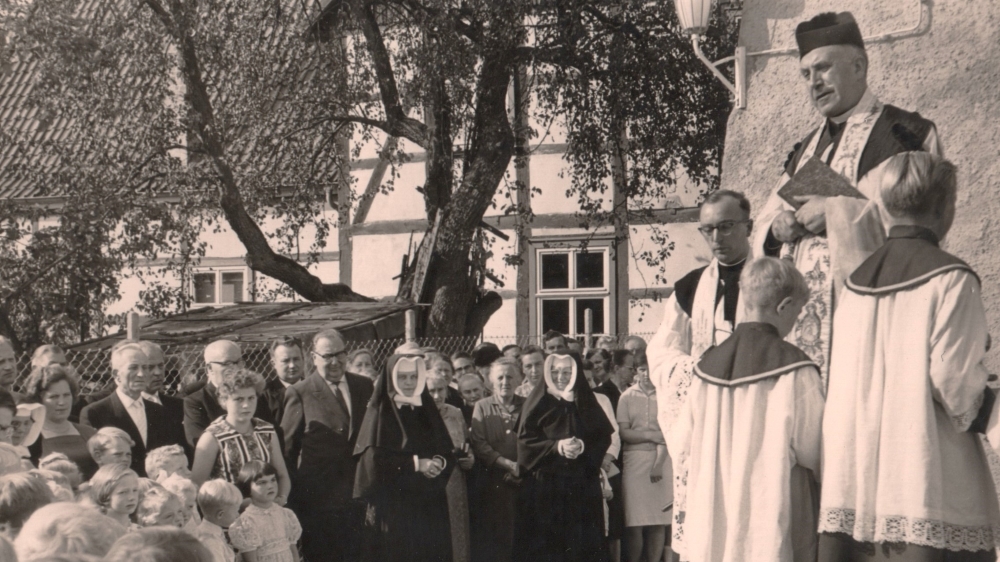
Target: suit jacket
202,407
274,394
319,440
163,425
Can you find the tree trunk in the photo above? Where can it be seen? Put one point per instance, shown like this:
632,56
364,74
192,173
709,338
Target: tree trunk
450,289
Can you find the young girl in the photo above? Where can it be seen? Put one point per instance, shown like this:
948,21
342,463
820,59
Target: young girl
115,491
265,532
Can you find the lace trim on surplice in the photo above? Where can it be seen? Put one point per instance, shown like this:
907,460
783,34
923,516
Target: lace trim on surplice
900,529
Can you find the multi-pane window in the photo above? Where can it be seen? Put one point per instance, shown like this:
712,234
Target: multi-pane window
220,286
568,282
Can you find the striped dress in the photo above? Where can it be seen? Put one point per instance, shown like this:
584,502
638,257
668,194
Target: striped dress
236,449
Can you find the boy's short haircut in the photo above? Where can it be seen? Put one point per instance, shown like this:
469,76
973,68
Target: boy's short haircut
158,457
65,528
22,494
99,442
252,472
917,184
150,505
158,544
216,495
765,282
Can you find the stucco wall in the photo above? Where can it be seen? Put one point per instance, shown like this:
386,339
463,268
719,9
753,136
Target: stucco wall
949,72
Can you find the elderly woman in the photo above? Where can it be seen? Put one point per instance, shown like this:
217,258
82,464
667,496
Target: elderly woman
56,388
458,500
405,457
362,362
494,440
238,437
563,437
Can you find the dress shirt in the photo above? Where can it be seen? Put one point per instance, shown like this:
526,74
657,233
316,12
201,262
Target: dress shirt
136,410
345,392
154,398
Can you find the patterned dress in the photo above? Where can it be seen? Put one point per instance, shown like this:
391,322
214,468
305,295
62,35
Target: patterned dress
270,532
237,449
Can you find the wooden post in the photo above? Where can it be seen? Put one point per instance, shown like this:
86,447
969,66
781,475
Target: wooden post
411,325
588,328
132,327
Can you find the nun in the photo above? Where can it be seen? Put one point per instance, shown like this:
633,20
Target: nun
404,455
562,440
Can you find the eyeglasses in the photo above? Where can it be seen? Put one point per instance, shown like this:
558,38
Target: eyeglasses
724,228
225,363
331,356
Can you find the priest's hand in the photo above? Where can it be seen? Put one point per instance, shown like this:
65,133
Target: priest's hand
570,447
786,227
812,214
465,462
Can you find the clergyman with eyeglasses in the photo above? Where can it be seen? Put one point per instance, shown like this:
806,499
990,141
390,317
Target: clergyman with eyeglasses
703,309
201,405
323,414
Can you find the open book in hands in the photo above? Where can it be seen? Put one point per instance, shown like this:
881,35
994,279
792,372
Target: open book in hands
816,178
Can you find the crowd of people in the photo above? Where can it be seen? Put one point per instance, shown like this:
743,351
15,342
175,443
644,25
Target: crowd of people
434,457
816,392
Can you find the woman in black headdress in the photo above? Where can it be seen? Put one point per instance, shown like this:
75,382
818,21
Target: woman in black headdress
404,457
563,436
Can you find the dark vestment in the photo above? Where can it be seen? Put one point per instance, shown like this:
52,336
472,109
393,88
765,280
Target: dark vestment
408,513
560,504
319,438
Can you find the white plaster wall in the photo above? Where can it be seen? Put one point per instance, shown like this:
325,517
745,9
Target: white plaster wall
948,73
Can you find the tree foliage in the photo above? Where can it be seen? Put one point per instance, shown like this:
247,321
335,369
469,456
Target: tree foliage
155,120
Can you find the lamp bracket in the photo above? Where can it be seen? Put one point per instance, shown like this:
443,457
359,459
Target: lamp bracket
739,59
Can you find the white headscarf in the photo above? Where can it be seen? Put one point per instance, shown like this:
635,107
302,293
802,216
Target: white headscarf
36,413
567,393
409,364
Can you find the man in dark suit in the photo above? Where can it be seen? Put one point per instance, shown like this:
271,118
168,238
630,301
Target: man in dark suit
287,360
323,414
150,425
201,407
155,378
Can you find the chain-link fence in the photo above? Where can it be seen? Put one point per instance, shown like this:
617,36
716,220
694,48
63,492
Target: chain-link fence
186,364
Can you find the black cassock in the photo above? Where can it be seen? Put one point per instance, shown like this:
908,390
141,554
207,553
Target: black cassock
407,512
560,505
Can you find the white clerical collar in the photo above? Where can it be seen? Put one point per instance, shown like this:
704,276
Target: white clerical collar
863,104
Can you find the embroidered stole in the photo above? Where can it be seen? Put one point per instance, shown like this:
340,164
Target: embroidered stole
811,254
708,323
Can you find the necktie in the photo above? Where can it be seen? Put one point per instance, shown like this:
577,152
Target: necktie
340,399
139,417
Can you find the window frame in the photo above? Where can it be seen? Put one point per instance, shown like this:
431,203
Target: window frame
572,245
219,271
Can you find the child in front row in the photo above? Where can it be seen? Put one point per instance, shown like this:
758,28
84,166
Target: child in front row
751,431
220,506
265,532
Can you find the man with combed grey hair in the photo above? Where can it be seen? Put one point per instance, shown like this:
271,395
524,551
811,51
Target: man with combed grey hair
148,424
201,406
323,414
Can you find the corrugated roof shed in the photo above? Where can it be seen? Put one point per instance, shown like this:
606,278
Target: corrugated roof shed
263,322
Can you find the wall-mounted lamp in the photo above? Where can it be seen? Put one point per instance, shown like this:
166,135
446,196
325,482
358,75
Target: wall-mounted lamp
694,16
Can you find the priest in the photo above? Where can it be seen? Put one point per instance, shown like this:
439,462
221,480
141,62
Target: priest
700,313
828,237
904,475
